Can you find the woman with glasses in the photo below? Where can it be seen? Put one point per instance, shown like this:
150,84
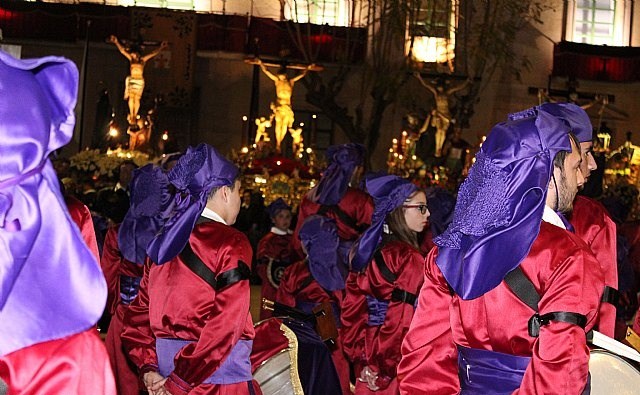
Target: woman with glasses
380,300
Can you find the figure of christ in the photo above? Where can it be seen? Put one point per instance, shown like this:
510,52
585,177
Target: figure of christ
134,83
441,117
282,107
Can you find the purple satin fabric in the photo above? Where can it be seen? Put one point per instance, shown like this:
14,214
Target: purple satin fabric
343,159
377,310
319,237
51,285
236,368
150,205
388,192
316,370
161,226
488,372
577,118
499,209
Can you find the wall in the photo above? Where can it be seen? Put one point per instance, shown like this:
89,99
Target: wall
223,84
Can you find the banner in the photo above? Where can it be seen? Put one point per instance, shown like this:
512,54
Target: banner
171,72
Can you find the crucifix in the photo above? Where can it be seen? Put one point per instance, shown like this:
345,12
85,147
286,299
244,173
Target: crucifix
586,100
282,111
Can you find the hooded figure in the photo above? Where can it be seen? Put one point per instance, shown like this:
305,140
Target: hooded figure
51,287
501,201
334,198
475,330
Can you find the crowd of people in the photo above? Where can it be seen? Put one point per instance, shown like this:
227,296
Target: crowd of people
491,290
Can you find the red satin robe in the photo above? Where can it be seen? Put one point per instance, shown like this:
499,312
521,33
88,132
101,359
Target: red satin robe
173,302
290,292
593,225
76,364
272,246
355,203
379,346
564,272
113,266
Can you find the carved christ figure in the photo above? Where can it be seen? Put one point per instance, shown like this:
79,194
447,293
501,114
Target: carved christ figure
441,116
282,107
134,84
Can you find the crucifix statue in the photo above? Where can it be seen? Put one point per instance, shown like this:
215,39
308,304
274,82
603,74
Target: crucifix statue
441,117
282,111
134,84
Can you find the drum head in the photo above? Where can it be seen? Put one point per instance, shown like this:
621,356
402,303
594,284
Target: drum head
611,374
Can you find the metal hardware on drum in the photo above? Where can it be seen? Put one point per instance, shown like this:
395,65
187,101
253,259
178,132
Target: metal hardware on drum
322,318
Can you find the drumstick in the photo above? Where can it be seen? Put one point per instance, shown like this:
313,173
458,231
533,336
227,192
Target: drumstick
598,339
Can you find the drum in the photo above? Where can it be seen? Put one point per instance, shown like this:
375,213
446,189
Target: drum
611,374
274,359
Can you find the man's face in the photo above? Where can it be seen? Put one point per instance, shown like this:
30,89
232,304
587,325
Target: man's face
588,161
569,179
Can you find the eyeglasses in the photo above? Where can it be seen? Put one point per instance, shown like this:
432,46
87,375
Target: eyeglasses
421,207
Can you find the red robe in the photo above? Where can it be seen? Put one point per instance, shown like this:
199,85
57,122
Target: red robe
173,302
355,203
76,364
277,247
290,292
566,274
113,266
379,346
593,225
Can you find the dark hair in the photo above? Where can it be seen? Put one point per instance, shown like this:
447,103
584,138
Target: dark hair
215,189
398,226
558,161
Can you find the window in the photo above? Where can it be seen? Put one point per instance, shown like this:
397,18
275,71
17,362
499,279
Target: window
172,4
431,36
319,12
598,22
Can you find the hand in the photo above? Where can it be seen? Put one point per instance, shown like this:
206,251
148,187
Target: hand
155,383
164,44
113,39
369,376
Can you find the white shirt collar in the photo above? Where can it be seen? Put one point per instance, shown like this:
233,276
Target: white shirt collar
550,216
280,232
212,215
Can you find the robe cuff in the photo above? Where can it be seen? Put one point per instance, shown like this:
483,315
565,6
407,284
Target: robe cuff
177,386
146,368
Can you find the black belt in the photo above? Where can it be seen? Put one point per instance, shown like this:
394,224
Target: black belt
523,288
400,295
216,281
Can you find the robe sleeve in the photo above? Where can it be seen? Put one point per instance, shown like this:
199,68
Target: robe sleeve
560,358
110,263
386,348
354,315
285,292
137,337
428,350
604,248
